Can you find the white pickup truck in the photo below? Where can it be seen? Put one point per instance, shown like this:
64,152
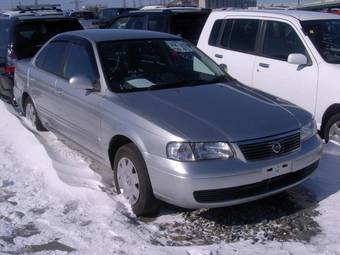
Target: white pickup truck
294,55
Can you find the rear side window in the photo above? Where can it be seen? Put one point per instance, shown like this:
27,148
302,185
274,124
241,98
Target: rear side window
243,35
157,23
31,35
51,57
135,22
4,32
79,54
227,33
215,32
280,40
189,25
120,23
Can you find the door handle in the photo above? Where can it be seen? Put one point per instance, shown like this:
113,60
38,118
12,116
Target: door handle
218,56
264,65
59,91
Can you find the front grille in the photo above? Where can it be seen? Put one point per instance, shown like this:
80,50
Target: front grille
265,150
250,190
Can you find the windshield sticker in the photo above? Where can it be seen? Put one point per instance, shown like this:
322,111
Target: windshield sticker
179,46
140,83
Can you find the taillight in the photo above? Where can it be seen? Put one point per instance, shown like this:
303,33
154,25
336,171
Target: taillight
9,69
11,60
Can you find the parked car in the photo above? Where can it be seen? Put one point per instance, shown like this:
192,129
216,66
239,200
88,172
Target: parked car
87,19
171,124
186,22
21,37
106,15
291,54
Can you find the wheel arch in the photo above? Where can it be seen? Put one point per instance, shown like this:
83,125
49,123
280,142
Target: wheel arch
25,95
118,141
331,111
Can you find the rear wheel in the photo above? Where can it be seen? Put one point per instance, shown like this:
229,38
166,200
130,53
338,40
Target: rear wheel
332,129
31,114
133,182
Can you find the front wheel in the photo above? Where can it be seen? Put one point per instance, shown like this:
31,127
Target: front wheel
332,129
31,114
133,182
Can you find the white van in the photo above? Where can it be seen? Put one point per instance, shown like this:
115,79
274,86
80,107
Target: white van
294,55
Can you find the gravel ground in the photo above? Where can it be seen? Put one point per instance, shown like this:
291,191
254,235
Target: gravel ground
284,217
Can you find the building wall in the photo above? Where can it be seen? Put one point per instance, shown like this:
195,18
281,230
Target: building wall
227,3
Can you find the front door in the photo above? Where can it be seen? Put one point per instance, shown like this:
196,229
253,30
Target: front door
273,73
79,109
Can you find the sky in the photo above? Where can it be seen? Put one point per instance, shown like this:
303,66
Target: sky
6,4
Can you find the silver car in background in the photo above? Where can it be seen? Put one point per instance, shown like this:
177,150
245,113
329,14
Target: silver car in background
169,121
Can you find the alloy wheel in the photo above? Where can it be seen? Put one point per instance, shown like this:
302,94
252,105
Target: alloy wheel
334,132
30,113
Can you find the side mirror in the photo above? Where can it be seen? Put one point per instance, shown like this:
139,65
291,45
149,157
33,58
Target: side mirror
224,67
82,83
297,59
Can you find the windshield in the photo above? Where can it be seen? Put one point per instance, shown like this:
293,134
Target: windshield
325,35
156,64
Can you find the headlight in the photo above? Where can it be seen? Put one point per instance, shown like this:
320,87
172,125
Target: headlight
198,151
309,130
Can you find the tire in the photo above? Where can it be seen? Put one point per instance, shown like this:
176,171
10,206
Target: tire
29,110
335,119
145,204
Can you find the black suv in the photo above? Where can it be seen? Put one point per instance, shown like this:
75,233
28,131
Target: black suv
21,36
106,15
186,22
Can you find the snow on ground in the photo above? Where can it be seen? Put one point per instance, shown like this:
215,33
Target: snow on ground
54,200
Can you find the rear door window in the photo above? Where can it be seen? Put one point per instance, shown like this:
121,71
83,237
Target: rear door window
120,23
215,32
243,35
280,40
157,22
4,32
189,25
51,58
30,36
136,22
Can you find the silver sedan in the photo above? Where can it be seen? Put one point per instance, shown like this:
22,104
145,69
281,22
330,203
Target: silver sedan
169,121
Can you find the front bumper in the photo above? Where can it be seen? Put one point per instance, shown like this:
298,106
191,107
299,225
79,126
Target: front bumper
218,183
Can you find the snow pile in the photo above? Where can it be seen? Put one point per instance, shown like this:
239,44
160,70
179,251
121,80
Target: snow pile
52,202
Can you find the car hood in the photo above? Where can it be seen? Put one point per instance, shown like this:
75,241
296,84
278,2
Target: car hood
216,112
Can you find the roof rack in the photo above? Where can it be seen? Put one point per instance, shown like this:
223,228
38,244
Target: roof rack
39,7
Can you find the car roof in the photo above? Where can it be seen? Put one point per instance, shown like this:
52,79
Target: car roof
33,17
173,10
102,35
297,14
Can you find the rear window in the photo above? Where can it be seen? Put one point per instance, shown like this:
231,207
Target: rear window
31,35
189,25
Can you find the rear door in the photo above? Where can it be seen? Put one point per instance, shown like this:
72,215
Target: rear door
78,109
42,80
273,73
234,44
